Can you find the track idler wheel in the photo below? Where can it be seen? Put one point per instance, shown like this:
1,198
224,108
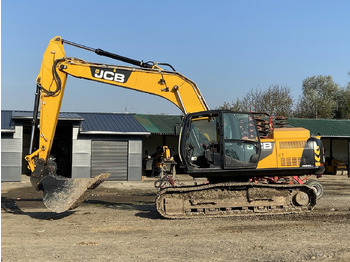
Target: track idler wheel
301,199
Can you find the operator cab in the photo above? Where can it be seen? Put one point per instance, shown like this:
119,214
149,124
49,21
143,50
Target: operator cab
223,140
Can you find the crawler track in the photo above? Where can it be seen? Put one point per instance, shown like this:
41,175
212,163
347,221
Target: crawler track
234,199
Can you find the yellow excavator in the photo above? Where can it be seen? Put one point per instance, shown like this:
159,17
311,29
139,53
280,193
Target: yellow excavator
247,172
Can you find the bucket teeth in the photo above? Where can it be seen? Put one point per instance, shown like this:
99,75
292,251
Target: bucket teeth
62,194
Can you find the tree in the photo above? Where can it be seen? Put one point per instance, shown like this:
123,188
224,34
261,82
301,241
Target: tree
319,98
343,101
275,100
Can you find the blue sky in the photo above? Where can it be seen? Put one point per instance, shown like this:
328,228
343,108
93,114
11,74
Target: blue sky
226,47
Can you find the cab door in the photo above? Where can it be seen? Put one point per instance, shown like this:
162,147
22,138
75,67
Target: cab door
241,145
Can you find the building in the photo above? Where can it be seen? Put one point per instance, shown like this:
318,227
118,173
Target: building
11,148
335,135
87,144
163,129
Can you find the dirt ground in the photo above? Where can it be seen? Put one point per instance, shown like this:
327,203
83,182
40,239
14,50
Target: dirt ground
119,222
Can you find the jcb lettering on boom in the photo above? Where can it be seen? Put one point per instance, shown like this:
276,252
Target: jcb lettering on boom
112,74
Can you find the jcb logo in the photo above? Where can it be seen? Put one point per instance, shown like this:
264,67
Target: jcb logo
266,149
267,146
110,74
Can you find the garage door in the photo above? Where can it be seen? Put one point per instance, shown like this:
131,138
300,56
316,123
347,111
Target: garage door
110,157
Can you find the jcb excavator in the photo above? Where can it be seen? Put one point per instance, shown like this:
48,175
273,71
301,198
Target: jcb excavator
248,173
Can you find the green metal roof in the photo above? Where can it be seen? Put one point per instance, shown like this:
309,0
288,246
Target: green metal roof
165,125
159,124
324,127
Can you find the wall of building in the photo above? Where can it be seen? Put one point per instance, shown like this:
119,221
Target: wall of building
124,165
81,156
135,160
11,155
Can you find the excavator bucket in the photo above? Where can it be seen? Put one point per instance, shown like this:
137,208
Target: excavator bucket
62,194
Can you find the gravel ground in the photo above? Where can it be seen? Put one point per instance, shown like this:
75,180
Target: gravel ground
119,222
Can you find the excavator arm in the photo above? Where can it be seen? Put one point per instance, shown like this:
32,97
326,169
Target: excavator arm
60,193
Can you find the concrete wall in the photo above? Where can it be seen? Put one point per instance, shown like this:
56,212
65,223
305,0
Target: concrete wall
135,160
11,155
81,156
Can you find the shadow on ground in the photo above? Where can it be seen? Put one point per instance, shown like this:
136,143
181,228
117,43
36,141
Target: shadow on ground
146,209
10,206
